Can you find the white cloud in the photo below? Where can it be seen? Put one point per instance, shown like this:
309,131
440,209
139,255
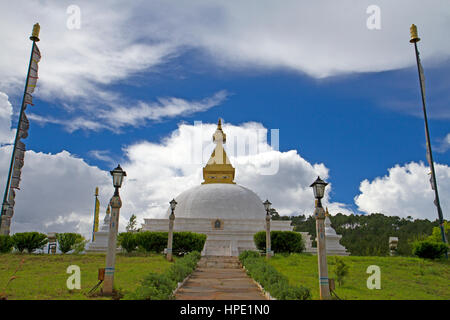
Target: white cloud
6,135
444,144
125,39
103,155
406,191
57,189
164,108
56,192
158,172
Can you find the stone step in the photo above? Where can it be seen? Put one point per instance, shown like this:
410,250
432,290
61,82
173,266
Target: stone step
219,262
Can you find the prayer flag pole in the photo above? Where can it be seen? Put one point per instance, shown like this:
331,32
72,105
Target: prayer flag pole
5,220
415,39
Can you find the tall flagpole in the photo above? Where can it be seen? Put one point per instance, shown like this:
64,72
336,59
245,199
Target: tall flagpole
415,39
35,38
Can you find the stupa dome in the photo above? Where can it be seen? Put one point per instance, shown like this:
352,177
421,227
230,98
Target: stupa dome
219,200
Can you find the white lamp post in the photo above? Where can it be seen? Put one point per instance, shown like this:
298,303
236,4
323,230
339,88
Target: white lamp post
173,204
319,191
267,205
116,203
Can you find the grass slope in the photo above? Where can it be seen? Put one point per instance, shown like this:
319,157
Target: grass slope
402,278
44,276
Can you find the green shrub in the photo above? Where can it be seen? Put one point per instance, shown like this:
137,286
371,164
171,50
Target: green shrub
6,244
429,249
281,241
183,242
248,254
160,286
66,241
128,241
29,241
154,287
79,245
436,235
270,279
340,270
152,241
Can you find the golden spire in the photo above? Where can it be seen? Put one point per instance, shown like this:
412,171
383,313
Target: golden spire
327,213
218,169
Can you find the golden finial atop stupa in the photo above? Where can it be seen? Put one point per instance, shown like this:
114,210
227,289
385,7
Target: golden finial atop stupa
219,136
218,169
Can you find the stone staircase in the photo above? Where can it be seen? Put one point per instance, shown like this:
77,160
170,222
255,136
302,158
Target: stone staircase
219,278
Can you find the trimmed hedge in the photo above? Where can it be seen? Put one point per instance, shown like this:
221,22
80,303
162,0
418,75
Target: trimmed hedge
270,279
6,244
150,241
280,241
157,286
29,241
429,249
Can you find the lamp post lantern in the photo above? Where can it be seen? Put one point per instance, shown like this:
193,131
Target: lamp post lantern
116,203
319,191
173,204
267,205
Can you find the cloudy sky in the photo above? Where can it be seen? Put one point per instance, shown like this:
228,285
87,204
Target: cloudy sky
305,88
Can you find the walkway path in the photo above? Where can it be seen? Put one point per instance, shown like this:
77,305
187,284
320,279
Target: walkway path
219,278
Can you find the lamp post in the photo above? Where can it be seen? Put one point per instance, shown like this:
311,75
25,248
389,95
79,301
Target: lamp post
319,190
267,206
115,204
173,204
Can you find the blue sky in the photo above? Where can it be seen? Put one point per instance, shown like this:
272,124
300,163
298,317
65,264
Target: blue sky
129,84
345,122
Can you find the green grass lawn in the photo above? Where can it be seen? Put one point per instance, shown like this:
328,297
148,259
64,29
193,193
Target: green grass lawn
44,276
401,278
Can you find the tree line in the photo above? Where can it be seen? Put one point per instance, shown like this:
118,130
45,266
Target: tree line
368,235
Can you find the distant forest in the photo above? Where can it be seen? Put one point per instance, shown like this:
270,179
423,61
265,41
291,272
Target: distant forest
368,235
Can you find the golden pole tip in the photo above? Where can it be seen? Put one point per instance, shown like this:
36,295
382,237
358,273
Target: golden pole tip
35,33
414,36
96,191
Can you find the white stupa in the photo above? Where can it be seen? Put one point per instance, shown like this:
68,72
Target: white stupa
100,243
229,214
334,248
